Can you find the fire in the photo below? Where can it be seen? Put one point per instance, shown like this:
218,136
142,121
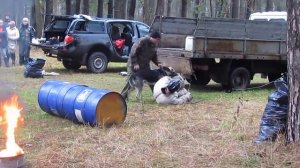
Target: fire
11,115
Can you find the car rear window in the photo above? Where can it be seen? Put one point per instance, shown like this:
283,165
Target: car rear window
60,24
90,27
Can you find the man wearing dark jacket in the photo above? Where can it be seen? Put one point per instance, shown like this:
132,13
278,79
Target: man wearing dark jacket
26,35
3,44
142,52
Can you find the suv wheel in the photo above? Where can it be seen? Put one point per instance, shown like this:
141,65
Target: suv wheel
97,62
71,65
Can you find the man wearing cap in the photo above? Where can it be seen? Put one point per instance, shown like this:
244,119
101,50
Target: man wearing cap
171,91
142,52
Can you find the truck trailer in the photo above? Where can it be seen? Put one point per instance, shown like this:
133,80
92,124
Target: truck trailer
227,51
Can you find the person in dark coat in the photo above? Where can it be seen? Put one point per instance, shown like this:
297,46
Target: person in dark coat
3,44
142,53
26,35
6,21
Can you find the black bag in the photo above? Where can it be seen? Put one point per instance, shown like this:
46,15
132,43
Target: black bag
34,68
275,115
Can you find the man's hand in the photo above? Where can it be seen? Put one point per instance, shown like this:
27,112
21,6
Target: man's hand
136,67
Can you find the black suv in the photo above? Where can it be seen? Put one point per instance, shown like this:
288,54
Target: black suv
93,42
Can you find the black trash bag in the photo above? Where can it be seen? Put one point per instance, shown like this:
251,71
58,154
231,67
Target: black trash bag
275,115
34,68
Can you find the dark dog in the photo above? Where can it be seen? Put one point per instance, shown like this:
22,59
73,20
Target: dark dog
137,83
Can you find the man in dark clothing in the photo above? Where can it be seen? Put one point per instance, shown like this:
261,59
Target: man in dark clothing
3,44
142,52
26,35
6,21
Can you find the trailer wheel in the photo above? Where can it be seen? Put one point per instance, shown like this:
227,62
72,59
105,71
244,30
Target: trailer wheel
240,78
201,78
72,65
273,76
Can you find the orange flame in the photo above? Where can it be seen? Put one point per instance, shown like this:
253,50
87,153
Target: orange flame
11,115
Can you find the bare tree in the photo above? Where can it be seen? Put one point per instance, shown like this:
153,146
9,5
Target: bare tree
250,8
49,11
235,8
120,9
160,5
270,5
110,11
68,7
100,8
169,2
183,8
219,8
148,11
195,11
131,9
85,6
293,56
77,6
39,19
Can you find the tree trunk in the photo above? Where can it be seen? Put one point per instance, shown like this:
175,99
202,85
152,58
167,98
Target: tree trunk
293,56
100,8
110,11
131,6
120,9
49,11
160,5
85,5
270,5
183,8
196,12
148,11
68,7
39,18
235,8
250,8
77,6
169,7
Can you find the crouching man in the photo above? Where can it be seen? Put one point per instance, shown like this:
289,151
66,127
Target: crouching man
171,91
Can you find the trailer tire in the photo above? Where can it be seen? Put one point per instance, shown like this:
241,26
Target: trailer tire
201,78
239,78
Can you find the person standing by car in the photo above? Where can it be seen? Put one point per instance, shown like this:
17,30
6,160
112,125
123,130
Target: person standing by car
142,52
3,44
26,35
12,36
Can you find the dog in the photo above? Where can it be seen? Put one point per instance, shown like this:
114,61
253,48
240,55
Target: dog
137,83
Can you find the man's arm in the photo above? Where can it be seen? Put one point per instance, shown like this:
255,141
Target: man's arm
155,60
176,99
137,48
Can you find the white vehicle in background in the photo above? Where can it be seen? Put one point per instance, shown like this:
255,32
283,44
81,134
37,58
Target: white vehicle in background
269,16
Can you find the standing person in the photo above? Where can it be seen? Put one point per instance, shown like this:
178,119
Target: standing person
12,36
26,35
142,52
6,21
3,44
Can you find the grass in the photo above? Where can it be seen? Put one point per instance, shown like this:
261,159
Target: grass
215,131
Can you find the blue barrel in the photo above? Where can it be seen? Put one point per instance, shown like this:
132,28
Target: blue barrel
82,104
